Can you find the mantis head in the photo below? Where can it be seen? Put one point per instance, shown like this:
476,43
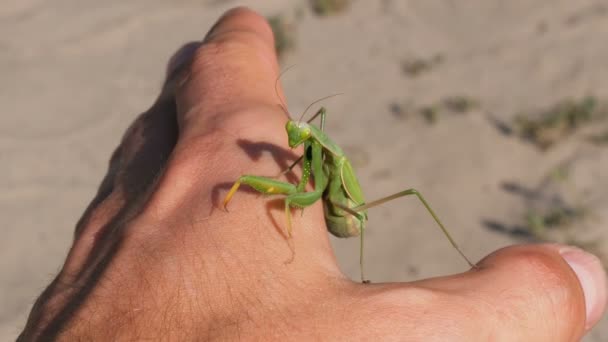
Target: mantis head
297,133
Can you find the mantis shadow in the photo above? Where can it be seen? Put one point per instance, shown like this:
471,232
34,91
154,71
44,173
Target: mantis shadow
281,156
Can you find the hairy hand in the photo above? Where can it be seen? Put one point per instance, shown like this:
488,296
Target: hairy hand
152,259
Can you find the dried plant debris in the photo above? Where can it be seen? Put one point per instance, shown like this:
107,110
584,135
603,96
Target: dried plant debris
413,67
542,27
554,223
557,122
460,104
596,11
329,7
564,225
502,126
399,111
599,139
284,34
558,212
539,223
431,113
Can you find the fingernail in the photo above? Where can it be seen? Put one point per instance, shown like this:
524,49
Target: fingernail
591,275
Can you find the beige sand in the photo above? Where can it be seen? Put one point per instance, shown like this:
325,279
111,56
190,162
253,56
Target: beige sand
75,73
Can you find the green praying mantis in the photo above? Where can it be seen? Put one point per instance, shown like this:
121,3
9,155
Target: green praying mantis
335,183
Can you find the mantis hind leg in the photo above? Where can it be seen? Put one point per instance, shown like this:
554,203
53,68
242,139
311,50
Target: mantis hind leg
410,192
338,220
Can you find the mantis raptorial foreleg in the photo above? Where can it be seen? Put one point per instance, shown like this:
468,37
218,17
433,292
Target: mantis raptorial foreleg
264,185
296,196
269,186
408,192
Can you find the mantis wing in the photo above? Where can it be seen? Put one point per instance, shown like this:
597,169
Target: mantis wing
350,183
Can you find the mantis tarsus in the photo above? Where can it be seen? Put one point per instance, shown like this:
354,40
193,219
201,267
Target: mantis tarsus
335,183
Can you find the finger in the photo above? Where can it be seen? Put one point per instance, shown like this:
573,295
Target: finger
230,123
229,113
233,70
524,293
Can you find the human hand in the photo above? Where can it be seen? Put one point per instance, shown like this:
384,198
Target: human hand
151,259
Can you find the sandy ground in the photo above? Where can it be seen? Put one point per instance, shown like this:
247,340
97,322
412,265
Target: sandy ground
75,74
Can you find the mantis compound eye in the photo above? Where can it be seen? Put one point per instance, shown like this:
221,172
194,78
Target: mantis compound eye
304,133
297,133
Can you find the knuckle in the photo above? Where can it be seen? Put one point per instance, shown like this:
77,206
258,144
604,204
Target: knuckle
543,269
541,293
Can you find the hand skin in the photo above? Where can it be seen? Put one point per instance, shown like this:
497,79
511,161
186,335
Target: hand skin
151,259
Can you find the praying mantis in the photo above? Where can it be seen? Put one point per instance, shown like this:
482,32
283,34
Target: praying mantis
335,183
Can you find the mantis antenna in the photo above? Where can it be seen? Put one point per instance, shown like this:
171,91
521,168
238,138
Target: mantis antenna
276,89
317,101
284,106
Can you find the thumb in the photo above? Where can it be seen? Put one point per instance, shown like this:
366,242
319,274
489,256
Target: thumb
526,293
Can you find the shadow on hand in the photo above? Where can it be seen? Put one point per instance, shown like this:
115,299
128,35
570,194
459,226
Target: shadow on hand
134,168
280,155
